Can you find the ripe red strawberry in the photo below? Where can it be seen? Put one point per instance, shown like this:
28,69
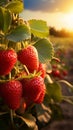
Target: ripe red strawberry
11,92
42,69
40,97
56,73
32,88
29,57
54,66
64,72
7,60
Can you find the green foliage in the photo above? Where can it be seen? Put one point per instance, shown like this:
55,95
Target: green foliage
45,50
3,2
56,112
20,33
38,28
15,6
5,19
53,91
43,113
28,119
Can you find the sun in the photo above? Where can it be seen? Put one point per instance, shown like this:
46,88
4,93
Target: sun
68,21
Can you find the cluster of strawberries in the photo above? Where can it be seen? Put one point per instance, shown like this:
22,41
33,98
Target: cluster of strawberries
59,72
32,90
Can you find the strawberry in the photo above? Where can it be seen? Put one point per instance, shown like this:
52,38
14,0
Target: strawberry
56,73
32,89
54,66
42,69
7,60
40,97
11,93
64,72
29,57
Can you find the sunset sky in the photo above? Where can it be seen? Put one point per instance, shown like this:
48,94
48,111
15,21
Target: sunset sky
57,13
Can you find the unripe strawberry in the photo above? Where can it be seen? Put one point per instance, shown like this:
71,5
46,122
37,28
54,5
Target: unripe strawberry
32,89
11,93
29,57
7,60
42,69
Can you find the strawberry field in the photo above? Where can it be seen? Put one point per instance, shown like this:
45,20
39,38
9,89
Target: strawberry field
63,50
33,71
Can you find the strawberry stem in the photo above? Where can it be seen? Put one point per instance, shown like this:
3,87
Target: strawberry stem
10,75
27,71
11,117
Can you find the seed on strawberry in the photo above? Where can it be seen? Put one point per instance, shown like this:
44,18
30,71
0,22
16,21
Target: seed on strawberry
29,57
42,69
7,60
32,89
11,93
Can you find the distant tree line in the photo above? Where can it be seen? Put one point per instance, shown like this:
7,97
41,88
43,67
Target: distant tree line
60,33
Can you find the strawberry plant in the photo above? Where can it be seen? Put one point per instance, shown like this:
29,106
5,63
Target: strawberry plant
27,91
59,69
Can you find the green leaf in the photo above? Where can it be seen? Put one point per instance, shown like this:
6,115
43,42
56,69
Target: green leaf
1,18
43,113
45,50
3,2
20,33
15,6
28,119
5,19
48,79
57,113
54,91
39,28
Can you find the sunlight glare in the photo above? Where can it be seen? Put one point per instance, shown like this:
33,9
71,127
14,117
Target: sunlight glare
68,21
